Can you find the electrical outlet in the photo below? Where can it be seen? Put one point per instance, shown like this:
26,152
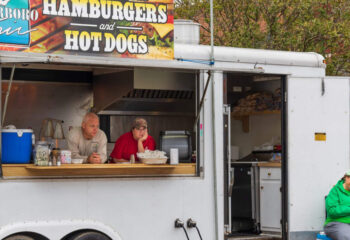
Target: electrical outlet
191,223
179,223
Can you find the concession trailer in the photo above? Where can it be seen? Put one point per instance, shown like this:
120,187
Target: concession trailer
269,119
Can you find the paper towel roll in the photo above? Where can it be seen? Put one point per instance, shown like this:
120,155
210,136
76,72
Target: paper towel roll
174,156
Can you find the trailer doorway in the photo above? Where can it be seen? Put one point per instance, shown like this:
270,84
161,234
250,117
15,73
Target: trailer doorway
255,205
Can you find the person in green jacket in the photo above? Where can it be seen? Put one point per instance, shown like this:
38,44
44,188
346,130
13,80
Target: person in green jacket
337,225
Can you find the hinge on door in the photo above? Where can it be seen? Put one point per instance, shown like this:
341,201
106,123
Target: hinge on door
226,109
227,229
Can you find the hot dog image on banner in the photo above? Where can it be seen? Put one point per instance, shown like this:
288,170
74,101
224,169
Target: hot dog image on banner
131,29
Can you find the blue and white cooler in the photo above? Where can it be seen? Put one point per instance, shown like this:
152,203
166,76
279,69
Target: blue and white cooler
16,145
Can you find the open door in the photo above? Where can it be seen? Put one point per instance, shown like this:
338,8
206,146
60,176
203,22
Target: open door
318,148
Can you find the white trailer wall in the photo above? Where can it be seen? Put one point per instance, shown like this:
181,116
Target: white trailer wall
136,208
315,166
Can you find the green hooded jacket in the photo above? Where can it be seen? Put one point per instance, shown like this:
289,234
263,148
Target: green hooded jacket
338,204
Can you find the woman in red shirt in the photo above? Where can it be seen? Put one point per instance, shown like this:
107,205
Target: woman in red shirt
137,140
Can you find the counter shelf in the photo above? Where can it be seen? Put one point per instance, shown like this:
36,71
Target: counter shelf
16,171
270,164
244,117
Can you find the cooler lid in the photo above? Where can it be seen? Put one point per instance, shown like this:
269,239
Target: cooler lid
17,130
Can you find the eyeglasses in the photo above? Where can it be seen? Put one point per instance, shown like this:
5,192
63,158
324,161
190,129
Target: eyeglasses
141,128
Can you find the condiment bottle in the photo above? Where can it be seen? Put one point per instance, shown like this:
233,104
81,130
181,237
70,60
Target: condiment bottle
55,156
132,158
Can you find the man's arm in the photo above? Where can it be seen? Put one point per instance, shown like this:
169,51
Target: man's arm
102,147
73,144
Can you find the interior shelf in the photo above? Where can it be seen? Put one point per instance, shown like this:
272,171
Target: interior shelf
244,117
238,115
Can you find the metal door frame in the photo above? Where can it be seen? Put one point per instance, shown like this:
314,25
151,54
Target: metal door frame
284,167
227,158
227,167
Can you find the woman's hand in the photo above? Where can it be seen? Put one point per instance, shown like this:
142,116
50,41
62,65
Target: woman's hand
140,147
144,137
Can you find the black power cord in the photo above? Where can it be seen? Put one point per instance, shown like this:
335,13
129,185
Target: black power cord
180,224
199,233
193,224
185,232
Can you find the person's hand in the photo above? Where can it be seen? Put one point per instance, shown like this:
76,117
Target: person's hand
94,158
144,137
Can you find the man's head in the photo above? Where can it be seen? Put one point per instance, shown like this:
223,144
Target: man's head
90,125
139,128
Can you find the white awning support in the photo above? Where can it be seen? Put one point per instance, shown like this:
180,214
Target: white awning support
7,94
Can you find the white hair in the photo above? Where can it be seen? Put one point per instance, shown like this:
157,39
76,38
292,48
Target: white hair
88,116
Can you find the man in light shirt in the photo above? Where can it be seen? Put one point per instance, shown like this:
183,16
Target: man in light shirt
88,141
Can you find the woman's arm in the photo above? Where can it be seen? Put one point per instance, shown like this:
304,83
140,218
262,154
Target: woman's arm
115,160
334,208
140,147
116,154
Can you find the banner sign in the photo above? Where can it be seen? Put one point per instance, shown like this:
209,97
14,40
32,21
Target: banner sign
133,29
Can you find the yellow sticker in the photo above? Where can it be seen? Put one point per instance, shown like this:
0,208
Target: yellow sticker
320,136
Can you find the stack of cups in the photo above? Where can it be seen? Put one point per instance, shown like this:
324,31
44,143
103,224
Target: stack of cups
132,158
174,156
66,157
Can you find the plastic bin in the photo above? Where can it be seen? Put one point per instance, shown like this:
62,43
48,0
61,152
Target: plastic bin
16,145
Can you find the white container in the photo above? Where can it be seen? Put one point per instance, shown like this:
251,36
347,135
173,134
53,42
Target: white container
77,160
186,31
66,157
174,156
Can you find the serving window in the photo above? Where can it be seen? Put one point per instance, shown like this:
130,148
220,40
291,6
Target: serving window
167,99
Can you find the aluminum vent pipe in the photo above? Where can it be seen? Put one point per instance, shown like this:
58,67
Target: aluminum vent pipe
211,33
